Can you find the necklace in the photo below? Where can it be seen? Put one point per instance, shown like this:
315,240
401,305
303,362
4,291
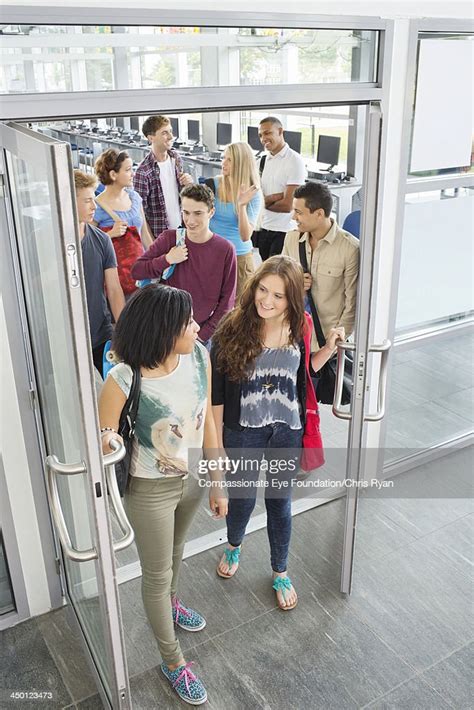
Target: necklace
269,385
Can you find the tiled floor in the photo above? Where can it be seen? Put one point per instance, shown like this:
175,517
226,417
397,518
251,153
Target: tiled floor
403,639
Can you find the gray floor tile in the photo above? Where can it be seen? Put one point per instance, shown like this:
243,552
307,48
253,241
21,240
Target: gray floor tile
455,543
92,703
415,694
66,649
27,666
423,426
312,658
461,403
416,602
453,677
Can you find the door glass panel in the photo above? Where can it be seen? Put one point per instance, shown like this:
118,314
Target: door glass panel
43,277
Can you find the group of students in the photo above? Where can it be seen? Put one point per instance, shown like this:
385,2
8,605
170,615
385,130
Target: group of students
245,398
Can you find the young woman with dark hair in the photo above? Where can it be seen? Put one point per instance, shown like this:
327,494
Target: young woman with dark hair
120,212
258,397
156,334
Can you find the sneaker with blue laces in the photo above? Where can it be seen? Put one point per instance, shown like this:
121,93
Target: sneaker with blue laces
186,618
187,685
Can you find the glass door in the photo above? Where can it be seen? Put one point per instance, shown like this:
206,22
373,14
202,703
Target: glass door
45,238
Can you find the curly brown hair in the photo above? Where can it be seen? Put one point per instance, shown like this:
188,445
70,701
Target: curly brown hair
239,336
107,161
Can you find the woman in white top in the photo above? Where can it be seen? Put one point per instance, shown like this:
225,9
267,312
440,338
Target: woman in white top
156,334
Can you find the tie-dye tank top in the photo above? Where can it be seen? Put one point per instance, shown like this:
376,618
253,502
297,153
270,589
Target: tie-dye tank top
269,395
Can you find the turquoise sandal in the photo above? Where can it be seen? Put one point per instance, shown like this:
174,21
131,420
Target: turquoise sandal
283,585
232,558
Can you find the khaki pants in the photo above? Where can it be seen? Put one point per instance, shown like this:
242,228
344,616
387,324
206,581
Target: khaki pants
160,512
245,269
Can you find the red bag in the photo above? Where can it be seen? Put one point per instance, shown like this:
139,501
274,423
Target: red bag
128,248
312,455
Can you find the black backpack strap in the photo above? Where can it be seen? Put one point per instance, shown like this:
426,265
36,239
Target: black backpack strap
317,323
261,167
210,184
134,399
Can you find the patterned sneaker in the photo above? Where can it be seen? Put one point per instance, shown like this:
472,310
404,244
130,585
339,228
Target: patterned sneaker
187,685
186,618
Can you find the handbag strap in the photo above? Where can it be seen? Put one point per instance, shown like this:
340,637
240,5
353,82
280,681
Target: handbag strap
311,400
109,211
133,400
317,323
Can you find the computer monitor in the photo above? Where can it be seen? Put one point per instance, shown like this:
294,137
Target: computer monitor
293,138
252,138
328,150
174,126
223,133
194,131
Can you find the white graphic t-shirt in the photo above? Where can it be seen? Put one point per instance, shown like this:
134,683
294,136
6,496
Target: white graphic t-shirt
170,417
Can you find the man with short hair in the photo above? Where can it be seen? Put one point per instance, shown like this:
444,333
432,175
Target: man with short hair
332,255
283,170
205,265
159,177
100,268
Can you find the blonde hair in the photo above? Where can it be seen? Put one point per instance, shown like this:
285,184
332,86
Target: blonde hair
83,180
243,171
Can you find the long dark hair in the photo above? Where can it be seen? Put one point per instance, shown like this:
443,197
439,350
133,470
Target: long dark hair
149,325
238,337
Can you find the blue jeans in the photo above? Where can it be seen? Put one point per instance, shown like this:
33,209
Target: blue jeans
240,446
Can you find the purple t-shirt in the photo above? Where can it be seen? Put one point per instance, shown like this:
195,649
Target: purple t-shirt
208,274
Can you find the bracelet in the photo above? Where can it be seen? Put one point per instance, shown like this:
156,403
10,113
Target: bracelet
105,429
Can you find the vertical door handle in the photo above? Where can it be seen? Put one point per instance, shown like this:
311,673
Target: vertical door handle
341,357
384,349
55,467
118,452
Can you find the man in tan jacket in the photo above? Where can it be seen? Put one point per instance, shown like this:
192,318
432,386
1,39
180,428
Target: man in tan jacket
332,255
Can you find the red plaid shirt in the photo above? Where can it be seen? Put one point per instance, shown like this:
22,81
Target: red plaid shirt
147,183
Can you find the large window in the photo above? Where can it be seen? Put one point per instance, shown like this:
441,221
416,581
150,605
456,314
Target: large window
45,58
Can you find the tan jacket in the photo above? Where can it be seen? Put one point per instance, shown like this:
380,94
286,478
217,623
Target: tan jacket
334,266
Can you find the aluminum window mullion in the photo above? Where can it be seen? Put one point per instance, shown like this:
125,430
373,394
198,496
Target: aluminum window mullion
174,18
21,107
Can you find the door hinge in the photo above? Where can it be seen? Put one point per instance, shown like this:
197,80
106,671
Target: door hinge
57,562
2,185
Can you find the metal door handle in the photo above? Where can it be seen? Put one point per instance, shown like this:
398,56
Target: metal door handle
109,462
341,356
56,467
384,349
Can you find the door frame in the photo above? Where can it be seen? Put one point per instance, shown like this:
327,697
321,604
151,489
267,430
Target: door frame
96,104
22,142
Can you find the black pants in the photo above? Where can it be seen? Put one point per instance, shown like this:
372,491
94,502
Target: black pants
269,243
97,356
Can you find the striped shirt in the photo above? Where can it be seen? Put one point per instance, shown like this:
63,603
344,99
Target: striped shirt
269,395
147,183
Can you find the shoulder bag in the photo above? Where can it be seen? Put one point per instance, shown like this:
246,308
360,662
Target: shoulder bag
312,455
126,429
127,248
325,380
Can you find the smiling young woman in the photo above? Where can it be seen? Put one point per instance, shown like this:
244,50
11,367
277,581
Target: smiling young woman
259,397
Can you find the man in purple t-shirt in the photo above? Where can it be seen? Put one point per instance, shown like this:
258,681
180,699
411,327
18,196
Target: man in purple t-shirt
206,264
